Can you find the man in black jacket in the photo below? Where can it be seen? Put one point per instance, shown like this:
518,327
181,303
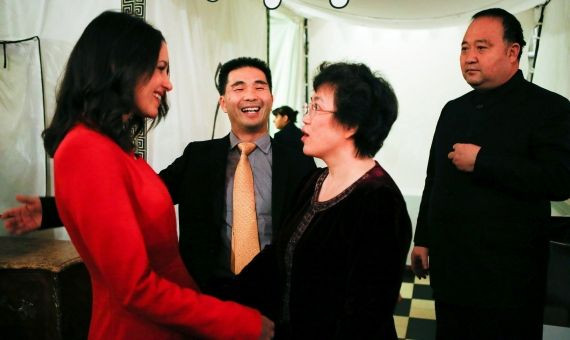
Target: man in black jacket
200,180
499,155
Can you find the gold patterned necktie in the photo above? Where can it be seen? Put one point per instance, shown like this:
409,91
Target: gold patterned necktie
245,237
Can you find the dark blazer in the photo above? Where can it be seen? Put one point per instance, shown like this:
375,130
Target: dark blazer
486,230
290,136
196,181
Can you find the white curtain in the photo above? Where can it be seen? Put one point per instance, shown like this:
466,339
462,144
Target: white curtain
404,14
58,24
422,64
23,161
552,69
200,34
423,67
287,61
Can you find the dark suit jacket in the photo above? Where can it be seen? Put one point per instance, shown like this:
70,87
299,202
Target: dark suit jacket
196,181
290,136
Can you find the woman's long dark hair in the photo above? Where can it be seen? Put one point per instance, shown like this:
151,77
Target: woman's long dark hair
113,54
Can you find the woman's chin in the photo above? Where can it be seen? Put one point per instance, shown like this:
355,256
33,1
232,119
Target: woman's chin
309,152
150,115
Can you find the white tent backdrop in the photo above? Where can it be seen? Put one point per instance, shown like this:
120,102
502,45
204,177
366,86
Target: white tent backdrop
401,14
23,165
422,66
552,69
417,49
287,61
553,64
200,34
58,24
414,46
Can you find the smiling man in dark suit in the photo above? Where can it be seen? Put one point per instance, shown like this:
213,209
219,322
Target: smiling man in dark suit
200,180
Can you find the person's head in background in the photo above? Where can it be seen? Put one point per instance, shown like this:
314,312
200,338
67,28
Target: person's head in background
491,49
117,76
283,116
351,111
245,87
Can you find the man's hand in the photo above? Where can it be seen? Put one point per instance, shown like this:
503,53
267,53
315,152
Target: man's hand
420,261
267,329
24,218
463,156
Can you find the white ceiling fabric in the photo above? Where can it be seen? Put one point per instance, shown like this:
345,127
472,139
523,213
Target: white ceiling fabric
404,13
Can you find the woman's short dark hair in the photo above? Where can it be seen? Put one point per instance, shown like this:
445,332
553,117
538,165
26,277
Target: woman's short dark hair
240,62
512,30
113,54
286,111
363,100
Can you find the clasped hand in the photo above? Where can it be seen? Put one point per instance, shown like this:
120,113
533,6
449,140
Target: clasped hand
463,156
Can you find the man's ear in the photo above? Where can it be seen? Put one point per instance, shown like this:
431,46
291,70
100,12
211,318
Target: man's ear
222,103
513,51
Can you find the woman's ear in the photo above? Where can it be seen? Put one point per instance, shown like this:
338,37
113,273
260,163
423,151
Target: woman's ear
349,132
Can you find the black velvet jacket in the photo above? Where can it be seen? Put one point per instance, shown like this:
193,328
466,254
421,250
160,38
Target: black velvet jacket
346,268
486,230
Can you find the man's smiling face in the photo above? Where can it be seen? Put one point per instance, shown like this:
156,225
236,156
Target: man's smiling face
247,100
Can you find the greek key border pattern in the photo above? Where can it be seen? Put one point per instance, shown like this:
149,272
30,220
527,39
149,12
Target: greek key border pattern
134,7
138,9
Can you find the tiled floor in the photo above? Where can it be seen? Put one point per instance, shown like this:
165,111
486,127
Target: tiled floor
415,314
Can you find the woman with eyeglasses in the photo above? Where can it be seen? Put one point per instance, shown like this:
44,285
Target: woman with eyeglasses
335,269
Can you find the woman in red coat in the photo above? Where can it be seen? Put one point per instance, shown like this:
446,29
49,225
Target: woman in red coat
116,210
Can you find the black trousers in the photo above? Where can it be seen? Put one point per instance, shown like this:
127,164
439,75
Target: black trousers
479,323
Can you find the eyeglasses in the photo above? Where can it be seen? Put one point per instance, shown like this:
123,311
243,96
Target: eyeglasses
311,109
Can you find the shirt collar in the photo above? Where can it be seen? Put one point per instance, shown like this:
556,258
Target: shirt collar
494,95
263,143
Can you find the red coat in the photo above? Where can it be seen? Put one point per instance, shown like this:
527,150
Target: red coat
121,220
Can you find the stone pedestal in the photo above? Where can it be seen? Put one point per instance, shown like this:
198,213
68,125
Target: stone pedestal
45,292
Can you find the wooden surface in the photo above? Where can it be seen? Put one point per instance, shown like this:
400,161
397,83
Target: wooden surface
36,253
45,291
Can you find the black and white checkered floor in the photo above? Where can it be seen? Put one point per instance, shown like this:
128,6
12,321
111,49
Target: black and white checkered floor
415,313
